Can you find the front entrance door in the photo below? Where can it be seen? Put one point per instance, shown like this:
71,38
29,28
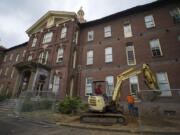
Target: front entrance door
24,82
40,85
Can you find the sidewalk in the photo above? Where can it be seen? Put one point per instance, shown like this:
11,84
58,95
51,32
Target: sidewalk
133,126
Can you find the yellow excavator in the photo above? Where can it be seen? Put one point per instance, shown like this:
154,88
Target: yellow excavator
101,111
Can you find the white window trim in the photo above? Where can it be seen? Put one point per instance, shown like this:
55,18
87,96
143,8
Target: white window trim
137,85
43,56
107,31
159,44
11,56
29,58
108,92
106,54
12,73
5,58
17,57
24,53
87,94
129,34
60,55
147,22
6,71
74,59
133,54
63,32
90,59
92,34
34,41
47,37
167,82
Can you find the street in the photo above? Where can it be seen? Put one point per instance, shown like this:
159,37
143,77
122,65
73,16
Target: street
17,126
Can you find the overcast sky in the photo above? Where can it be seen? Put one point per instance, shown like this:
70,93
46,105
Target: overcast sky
16,16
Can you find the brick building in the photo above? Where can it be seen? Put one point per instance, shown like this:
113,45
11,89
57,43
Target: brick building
65,53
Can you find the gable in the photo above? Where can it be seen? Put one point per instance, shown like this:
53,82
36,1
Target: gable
51,18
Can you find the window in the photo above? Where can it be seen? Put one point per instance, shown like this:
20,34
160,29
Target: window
29,57
11,57
60,55
12,73
90,35
108,55
134,86
47,37
178,37
110,81
74,59
89,57
24,53
56,81
5,57
131,60
1,88
17,57
127,30
175,13
34,42
88,89
163,83
6,71
76,37
155,47
149,21
107,31
0,72
43,57
63,32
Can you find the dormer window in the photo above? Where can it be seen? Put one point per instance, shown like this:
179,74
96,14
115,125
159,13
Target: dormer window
63,32
47,37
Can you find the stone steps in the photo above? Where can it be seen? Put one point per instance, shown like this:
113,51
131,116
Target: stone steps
7,106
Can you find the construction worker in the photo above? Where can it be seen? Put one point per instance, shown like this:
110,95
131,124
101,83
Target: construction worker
100,91
130,100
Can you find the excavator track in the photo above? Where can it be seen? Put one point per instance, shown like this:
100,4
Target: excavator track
103,119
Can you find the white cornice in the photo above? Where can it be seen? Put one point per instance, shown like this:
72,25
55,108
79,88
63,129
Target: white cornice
48,14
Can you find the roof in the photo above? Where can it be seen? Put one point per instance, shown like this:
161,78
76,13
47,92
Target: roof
130,11
17,46
49,13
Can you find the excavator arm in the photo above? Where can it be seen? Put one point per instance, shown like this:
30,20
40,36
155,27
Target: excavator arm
150,81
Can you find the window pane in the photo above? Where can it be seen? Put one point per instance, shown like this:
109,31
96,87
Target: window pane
155,47
107,31
110,81
127,30
63,32
89,57
149,21
163,84
88,89
133,85
90,35
60,55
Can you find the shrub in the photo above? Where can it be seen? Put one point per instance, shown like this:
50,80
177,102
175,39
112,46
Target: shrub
2,97
71,105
